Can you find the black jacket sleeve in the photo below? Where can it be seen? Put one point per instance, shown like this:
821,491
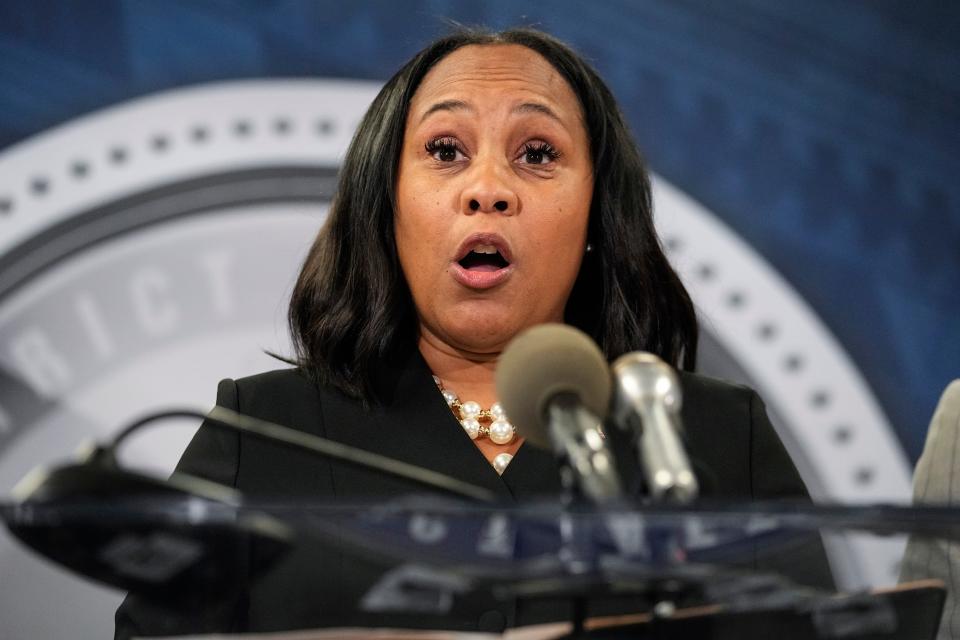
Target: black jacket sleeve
214,451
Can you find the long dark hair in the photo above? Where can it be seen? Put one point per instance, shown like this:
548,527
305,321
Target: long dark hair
351,308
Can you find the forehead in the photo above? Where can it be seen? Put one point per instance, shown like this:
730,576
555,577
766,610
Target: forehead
478,72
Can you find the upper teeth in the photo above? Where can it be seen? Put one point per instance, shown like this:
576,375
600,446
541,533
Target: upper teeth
485,248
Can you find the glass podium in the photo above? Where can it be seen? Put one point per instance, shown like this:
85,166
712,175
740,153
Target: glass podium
413,564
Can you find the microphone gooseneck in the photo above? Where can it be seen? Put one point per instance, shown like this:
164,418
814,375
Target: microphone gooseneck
222,417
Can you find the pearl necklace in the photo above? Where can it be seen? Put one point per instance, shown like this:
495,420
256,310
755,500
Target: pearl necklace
471,416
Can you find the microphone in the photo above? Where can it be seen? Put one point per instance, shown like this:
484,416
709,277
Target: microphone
554,384
154,537
160,537
647,399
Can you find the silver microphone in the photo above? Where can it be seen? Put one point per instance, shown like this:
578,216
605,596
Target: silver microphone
647,399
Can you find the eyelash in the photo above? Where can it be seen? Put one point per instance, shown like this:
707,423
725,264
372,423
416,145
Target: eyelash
547,149
442,144
448,144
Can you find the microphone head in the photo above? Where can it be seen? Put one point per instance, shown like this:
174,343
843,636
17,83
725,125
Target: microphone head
542,362
644,379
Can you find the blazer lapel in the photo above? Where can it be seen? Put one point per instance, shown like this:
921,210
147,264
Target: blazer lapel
411,423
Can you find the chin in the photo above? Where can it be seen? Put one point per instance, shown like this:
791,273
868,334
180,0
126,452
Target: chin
483,334
486,333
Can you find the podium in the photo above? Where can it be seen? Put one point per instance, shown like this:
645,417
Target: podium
670,572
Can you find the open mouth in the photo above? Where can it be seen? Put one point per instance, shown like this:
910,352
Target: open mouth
484,257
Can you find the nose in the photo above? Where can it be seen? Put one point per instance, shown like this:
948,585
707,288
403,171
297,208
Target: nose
499,205
488,191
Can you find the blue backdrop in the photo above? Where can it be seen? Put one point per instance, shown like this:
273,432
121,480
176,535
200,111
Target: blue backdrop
826,134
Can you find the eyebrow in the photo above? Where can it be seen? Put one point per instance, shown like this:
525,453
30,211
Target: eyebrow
460,105
536,107
447,105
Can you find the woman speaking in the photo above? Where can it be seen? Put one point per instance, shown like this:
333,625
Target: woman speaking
491,186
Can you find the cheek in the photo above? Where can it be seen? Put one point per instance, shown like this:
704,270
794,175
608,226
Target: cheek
563,223
419,246
409,246
562,237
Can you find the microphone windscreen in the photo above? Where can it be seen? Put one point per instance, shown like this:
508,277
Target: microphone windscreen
542,362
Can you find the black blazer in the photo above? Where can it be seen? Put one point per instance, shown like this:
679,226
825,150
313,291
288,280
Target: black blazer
736,451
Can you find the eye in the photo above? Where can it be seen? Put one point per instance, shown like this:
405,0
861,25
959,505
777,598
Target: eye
538,152
445,149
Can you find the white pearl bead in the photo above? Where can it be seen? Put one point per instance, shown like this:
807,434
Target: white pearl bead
471,426
470,409
497,411
501,461
501,432
436,381
449,396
